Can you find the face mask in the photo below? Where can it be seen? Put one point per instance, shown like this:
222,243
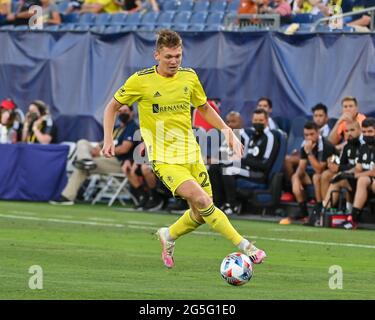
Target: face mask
124,117
353,141
259,127
369,140
33,116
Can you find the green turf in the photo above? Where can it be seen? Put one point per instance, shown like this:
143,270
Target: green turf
120,258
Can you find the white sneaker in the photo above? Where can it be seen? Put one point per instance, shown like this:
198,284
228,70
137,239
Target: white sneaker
167,248
256,255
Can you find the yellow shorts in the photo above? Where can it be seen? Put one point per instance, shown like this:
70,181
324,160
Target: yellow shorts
172,175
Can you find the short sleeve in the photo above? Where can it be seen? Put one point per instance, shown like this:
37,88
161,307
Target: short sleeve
198,97
303,153
129,92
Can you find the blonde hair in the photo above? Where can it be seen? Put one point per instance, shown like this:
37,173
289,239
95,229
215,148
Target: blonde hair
168,38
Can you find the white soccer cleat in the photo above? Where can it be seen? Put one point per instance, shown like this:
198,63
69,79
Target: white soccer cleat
167,246
256,255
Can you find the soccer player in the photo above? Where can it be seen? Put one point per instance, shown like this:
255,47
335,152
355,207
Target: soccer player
164,93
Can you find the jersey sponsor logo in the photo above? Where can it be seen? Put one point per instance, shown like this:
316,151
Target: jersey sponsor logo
156,108
186,90
157,94
121,92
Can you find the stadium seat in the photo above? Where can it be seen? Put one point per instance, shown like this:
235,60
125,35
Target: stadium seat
283,123
112,29
218,5
303,18
170,5
119,19
165,18
133,19
149,19
98,29
196,27
103,19
67,27
201,5
70,17
62,6
82,27
181,20
54,27
215,18
186,5
214,27
87,19
296,134
198,18
233,6
267,195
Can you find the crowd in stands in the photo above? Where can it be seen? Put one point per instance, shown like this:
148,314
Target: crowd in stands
332,154
291,11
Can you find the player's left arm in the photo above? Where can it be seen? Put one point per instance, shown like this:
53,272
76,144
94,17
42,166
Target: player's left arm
212,117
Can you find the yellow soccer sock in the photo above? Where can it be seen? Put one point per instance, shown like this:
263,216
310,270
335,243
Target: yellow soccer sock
220,223
185,224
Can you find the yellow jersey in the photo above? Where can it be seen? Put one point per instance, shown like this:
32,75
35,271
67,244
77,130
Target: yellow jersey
165,113
108,5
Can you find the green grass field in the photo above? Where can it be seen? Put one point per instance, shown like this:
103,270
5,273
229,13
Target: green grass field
95,252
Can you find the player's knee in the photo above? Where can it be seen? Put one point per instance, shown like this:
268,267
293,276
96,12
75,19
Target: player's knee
202,201
316,178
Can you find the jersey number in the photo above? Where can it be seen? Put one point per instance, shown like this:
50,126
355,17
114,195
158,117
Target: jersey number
205,178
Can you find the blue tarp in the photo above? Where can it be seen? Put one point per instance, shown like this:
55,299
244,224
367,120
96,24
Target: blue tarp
77,73
32,172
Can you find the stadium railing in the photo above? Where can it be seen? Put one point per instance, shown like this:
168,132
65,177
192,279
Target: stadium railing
370,10
242,22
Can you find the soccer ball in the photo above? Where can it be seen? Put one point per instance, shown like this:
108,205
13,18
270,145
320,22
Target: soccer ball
236,269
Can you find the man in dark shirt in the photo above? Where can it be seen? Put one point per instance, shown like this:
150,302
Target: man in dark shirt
342,170
364,171
91,161
314,152
361,20
261,151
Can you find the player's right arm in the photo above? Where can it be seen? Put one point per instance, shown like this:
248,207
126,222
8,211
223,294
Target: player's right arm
126,95
110,112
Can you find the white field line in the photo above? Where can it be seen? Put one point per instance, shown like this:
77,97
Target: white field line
28,213
354,245
102,219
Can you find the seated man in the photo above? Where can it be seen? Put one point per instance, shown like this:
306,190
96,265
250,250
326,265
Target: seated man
266,104
341,169
349,113
143,182
90,161
100,6
315,151
38,126
320,117
360,21
262,148
364,171
234,121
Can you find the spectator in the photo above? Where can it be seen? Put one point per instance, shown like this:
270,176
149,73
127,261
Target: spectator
90,161
315,151
38,126
364,172
129,5
262,148
281,7
308,6
363,20
10,129
349,113
5,7
222,159
342,168
266,104
22,14
51,14
100,6
320,117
